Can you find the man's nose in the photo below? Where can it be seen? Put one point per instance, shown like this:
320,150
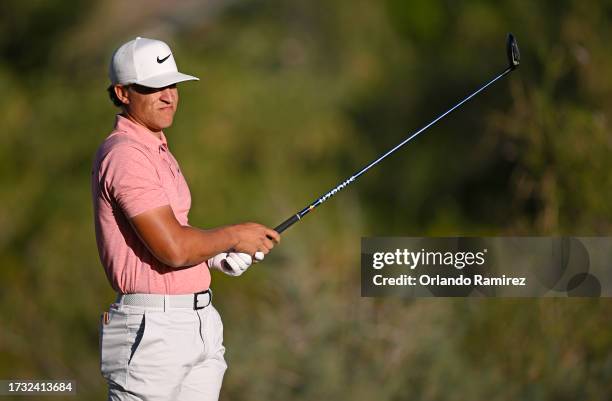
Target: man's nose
167,95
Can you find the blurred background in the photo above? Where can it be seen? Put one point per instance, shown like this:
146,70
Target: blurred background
293,98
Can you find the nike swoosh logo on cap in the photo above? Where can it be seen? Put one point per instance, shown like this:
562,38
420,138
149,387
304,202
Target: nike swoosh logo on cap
163,59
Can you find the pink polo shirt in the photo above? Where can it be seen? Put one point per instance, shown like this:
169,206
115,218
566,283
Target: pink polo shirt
133,172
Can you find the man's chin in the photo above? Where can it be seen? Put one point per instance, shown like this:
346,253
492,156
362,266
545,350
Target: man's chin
164,124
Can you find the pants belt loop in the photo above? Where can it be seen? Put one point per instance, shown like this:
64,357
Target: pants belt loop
166,303
119,301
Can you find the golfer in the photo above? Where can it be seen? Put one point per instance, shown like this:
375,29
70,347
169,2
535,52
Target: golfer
162,339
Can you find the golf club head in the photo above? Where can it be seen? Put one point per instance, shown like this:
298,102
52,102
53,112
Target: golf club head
514,56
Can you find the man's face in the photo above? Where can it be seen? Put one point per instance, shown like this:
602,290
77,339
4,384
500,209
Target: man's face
153,108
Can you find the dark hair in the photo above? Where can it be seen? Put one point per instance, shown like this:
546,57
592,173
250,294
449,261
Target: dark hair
113,96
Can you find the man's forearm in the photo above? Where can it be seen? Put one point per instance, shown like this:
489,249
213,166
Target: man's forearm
196,245
180,246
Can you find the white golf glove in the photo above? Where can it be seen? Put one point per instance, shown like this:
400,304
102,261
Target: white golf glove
233,263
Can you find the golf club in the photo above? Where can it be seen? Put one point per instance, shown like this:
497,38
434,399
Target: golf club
514,59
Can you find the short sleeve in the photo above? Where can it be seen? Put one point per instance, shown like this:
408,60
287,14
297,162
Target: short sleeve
130,177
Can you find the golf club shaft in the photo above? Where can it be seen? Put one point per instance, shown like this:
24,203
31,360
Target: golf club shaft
298,216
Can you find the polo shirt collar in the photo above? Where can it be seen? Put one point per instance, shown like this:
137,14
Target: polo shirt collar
140,133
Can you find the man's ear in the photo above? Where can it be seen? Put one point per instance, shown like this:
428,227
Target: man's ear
122,93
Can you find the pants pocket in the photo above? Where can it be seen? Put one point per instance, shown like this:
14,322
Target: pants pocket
137,328
113,350
213,337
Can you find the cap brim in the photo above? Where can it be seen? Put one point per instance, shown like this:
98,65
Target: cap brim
163,80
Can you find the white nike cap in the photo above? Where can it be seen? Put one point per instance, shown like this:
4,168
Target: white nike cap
145,62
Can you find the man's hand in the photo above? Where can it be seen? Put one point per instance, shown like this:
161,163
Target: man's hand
252,237
230,263
233,263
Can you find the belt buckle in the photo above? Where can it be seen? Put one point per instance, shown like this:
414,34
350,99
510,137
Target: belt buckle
195,299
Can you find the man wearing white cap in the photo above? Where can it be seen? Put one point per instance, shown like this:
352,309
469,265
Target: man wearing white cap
162,339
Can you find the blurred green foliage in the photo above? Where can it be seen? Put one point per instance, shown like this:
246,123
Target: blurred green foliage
294,97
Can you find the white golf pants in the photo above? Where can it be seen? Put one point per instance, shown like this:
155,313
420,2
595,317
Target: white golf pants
152,354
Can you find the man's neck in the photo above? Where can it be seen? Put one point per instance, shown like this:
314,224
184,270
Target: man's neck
135,120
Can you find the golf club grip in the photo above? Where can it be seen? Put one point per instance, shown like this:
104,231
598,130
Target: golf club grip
287,223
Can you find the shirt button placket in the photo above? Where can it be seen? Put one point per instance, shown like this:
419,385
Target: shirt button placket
164,156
